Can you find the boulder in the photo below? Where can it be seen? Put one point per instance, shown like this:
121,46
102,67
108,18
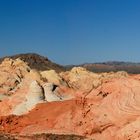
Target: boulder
52,77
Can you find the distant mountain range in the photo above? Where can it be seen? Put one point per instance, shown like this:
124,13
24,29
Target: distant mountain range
39,62
114,66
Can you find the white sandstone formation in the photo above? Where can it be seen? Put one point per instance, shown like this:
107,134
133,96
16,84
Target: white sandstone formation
50,95
34,96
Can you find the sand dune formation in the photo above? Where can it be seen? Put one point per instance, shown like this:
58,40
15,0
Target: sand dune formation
75,104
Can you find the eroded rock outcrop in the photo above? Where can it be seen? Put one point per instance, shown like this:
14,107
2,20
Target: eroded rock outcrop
53,93
81,79
52,77
34,96
11,74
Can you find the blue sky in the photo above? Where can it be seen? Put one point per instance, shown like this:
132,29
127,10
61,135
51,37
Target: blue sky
71,31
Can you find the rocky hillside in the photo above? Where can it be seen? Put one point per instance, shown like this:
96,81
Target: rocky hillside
36,61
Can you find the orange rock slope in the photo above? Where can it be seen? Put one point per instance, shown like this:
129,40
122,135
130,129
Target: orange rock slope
103,106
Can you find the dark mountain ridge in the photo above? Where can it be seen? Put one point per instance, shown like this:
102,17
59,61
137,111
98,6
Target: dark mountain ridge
36,61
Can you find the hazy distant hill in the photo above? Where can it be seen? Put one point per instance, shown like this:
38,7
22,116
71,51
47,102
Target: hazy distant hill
36,61
111,66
